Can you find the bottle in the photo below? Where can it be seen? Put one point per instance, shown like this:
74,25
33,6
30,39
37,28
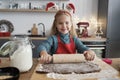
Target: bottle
34,30
11,4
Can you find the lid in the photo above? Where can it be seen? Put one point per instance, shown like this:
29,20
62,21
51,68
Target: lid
8,48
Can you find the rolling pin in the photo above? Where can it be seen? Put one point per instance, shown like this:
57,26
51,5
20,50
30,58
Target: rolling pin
68,58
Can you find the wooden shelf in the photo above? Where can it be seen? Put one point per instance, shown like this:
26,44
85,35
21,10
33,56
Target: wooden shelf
37,0
26,10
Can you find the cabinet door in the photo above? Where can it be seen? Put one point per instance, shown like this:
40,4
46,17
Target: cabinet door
36,43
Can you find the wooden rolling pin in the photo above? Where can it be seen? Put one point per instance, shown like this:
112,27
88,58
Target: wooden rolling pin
68,58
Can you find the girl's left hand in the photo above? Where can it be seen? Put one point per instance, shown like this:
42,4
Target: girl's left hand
89,55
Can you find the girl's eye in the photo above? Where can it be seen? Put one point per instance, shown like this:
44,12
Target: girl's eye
60,23
67,22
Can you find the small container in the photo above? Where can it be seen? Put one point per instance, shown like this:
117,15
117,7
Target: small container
34,30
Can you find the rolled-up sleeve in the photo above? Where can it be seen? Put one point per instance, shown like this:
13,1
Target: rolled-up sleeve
80,46
45,45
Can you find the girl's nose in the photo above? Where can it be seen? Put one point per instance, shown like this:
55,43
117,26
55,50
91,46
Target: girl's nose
64,25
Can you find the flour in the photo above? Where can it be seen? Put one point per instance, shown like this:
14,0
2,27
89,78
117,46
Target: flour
22,58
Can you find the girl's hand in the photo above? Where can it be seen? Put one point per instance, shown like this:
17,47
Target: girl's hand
89,55
45,57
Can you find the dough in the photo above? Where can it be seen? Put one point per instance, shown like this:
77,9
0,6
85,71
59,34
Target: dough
66,68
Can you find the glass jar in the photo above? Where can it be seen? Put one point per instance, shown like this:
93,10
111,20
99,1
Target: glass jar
20,51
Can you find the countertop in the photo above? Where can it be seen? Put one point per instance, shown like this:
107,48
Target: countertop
34,38
88,39
27,75
92,39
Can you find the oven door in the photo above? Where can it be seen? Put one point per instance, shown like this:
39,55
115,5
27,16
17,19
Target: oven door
98,47
99,50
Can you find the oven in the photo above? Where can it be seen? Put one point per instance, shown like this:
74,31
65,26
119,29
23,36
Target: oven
98,47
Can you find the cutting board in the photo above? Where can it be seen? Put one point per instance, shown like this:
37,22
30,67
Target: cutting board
107,71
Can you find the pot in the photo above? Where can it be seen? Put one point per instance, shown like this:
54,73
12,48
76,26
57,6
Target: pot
5,34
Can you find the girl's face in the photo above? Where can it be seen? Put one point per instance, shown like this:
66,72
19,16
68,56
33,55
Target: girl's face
63,24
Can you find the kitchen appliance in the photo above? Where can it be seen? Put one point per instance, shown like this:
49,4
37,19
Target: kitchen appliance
82,29
20,52
98,46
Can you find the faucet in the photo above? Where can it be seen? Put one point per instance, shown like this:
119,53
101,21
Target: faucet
43,28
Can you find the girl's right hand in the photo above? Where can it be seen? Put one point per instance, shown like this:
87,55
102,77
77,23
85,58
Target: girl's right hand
45,57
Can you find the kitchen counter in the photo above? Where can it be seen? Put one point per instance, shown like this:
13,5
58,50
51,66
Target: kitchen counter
93,39
27,75
90,39
33,38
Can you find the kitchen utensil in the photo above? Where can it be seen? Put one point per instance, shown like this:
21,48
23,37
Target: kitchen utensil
68,58
20,51
9,73
6,26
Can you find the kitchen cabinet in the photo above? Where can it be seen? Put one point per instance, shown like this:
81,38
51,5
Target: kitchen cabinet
108,13
34,41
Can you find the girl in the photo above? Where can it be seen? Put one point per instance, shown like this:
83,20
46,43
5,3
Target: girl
63,39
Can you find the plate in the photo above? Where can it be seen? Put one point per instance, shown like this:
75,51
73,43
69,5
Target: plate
9,73
6,26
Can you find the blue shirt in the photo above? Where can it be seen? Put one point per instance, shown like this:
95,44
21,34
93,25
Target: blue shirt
50,45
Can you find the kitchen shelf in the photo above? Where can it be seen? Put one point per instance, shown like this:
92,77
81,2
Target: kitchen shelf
37,0
26,10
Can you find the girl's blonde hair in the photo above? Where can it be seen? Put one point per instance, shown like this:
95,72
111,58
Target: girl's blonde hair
54,30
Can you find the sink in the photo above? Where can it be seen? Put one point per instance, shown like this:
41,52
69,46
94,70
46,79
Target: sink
35,35
29,35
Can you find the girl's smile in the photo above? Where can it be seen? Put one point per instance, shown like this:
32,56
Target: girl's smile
63,24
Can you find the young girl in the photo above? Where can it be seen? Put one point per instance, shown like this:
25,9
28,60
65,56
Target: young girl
63,39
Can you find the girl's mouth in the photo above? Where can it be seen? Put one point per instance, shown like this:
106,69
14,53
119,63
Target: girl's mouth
63,29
